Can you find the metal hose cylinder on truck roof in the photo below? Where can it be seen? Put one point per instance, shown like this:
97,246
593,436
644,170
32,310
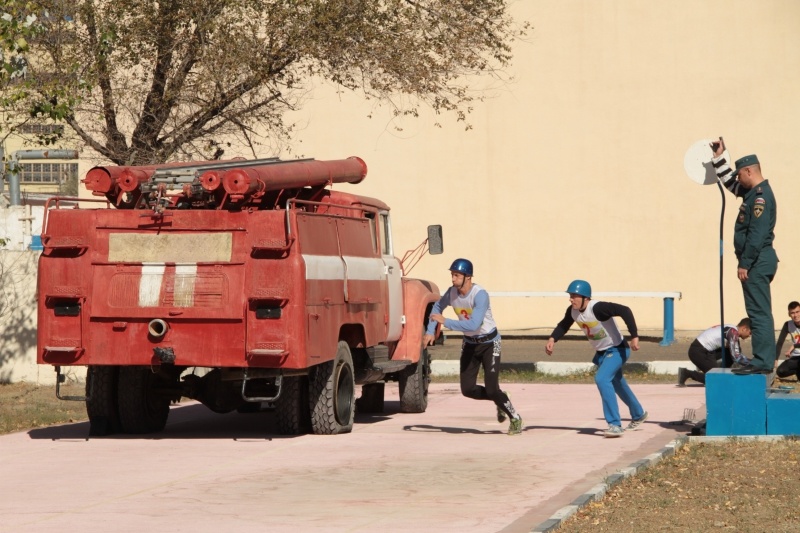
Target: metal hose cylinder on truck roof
293,175
244,177
106,179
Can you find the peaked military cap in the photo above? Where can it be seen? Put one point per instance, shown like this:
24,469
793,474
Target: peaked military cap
746,161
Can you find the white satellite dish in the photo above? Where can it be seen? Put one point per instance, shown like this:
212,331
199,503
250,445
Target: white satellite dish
697,162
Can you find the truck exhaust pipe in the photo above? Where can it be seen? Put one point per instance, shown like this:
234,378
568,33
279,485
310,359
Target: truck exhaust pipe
157,328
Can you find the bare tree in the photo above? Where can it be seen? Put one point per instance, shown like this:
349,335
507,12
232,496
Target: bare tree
143,81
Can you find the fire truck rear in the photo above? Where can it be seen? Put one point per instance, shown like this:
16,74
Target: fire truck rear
241,284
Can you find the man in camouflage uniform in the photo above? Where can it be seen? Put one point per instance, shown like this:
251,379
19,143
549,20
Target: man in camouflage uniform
752,242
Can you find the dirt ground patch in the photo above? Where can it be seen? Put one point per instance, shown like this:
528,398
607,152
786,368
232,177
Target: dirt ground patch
25,406
734,485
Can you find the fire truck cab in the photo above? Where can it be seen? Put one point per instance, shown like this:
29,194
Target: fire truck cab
241,284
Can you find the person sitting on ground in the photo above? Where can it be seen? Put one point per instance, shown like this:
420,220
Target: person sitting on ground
791,366
706,351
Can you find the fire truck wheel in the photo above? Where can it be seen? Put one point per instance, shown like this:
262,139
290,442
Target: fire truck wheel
291,407
332,394
141,408
101,400
414,381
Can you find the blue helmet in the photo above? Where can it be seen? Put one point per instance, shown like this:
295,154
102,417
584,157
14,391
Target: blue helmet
464,266
581,288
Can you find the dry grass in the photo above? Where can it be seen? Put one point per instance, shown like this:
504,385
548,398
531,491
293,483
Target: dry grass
25,406
735,485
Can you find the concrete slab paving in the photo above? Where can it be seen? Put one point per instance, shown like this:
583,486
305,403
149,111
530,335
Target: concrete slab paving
452,468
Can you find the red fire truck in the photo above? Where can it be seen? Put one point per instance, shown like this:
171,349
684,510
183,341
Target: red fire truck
242,284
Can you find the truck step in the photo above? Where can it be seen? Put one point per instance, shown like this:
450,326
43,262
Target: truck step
387,367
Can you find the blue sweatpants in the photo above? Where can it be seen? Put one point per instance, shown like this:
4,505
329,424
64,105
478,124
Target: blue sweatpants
611,383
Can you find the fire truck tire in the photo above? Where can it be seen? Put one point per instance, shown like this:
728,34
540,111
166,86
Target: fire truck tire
141,409
292,408
333,393
101,402
414,382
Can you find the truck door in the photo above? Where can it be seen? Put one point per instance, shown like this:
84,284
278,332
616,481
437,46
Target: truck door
394,280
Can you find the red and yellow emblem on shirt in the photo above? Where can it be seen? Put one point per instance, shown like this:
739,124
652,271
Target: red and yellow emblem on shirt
758,208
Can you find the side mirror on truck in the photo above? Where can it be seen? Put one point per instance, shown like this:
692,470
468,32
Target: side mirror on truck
435,242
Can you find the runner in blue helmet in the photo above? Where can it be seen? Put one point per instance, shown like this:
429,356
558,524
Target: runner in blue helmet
581,288
462,266
596,319
481,344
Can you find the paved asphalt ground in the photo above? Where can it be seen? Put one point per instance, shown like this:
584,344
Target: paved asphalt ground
452,468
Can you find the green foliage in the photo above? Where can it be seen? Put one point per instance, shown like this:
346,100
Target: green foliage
16,31
141,81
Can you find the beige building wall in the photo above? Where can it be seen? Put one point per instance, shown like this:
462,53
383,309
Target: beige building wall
575,170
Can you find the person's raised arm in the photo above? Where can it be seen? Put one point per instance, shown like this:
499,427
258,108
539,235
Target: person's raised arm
560,330
723,169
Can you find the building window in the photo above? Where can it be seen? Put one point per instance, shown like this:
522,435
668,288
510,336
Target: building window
386,230
41,129
55,173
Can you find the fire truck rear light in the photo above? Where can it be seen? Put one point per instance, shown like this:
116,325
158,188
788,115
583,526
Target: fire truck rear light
62,355
67,309
273,244
66,242
268,312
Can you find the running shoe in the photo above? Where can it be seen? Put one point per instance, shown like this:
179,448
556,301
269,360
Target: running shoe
515,427
636,423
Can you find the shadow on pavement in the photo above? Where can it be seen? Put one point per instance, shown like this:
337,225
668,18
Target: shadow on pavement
424,428
198,422
185,422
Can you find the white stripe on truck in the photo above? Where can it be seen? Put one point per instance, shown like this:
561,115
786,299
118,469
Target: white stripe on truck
332,267
150,284
185,276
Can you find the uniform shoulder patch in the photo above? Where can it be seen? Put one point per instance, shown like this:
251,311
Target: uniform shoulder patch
760,201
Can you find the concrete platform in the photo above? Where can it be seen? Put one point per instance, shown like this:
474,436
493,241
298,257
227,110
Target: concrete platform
449,469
